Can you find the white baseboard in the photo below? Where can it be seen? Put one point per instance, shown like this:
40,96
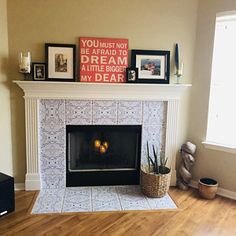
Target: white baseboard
19,186
221,191
32,182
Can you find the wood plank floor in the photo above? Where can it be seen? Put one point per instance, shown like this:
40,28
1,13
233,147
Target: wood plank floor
194,217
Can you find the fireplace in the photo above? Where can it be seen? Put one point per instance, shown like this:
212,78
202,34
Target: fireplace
51,106
102,154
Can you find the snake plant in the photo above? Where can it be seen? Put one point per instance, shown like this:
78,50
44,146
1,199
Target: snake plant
157,164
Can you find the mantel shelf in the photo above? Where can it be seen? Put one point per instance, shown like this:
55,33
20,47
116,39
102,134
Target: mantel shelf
77,90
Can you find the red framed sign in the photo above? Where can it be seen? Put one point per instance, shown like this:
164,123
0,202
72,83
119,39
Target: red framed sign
103,60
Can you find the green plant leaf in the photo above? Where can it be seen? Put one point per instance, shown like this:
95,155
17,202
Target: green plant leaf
156,160
148,157
153,163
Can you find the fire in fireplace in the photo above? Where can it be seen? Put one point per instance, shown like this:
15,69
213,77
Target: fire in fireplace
103,154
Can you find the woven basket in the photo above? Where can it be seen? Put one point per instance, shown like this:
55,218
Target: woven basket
154,185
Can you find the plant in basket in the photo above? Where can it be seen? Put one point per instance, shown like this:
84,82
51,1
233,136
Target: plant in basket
155,176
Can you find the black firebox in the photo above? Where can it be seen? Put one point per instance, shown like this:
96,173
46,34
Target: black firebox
102,154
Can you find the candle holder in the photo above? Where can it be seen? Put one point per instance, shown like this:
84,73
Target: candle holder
24,63
179,73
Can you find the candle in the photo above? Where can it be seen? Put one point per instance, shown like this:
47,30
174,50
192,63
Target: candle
24,62
177,56
102,149
105,144
180,70
97,143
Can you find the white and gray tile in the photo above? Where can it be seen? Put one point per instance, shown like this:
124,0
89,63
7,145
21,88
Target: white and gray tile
52,111
78,112
98,198
105,198
77,199
154,112
131,198
164,203
55,134
53,164
104,112
49,201
53,181
155,136
130,112
48,150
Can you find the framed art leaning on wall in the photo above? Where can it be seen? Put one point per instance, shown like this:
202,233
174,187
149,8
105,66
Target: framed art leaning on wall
60,59
153,66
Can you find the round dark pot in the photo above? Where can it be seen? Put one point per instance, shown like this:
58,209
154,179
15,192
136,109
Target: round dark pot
207,188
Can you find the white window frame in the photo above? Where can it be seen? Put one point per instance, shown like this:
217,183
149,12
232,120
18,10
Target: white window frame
223,16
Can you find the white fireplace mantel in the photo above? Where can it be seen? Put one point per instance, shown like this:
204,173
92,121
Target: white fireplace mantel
34,91
75,90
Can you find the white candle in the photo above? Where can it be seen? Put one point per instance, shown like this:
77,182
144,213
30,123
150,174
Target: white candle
181,69
24,62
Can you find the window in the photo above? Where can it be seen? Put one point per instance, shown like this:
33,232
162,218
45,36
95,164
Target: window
221,129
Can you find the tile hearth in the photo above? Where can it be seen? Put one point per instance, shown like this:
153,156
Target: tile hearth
98,198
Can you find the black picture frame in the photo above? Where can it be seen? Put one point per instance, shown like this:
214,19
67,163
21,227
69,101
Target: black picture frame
131,74
39,71
153,65
61,61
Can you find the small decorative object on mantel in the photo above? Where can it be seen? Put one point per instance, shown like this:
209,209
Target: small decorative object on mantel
131,75
103,60
155,177
39,71
179,65
153,66
24,64
184,175
60,59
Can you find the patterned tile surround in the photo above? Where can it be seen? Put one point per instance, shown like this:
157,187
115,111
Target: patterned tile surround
101,198
55,114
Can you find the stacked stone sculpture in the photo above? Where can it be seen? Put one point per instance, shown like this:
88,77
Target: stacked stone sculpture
184,174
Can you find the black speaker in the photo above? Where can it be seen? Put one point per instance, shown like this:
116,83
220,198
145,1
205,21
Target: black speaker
7,195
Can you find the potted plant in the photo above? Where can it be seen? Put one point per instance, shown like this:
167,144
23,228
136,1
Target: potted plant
155,176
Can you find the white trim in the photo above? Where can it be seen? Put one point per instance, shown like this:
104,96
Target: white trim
219,147
32,181
96,91
171,137
221,191
226,16
19,186
173,177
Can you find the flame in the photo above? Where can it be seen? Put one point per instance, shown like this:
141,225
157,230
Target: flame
97,143
101,146
105,144
102,149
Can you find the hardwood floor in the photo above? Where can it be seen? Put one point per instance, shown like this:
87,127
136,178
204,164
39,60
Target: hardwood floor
194,217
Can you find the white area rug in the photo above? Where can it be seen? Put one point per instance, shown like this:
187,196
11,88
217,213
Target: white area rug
98,198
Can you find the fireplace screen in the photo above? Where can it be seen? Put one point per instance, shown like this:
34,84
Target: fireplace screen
95,148
103,148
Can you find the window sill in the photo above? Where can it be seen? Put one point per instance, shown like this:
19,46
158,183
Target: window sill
219,147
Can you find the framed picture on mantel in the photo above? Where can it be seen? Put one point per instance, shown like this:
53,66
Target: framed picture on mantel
153,66
60,59
39,71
